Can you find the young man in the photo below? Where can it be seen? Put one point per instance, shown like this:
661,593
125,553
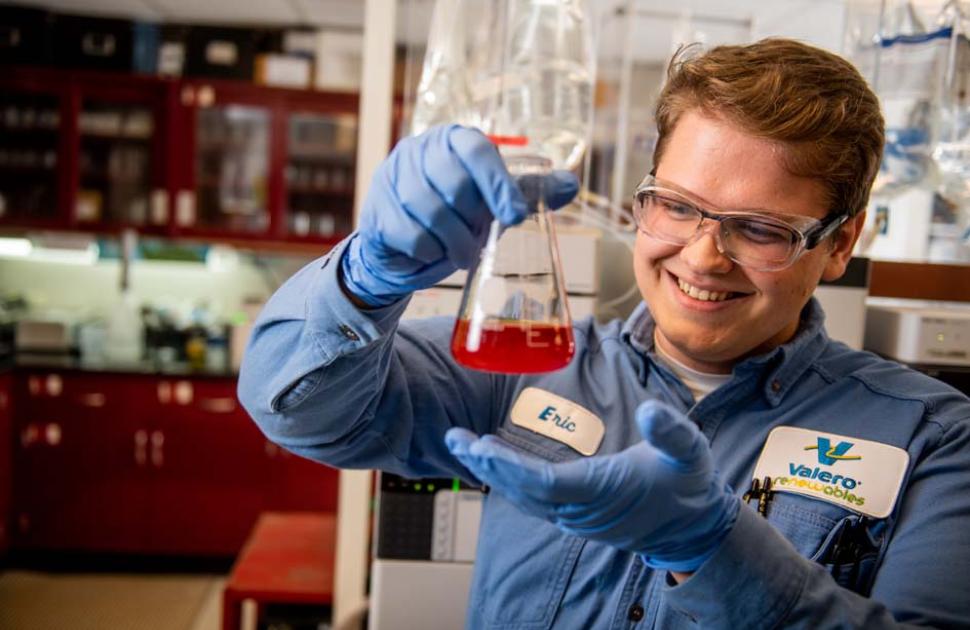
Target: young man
645,502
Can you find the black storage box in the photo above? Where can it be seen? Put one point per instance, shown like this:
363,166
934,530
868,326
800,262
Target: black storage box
222,53
94,43
25,35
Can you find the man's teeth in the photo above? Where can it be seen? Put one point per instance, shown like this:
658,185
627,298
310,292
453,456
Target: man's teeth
703,294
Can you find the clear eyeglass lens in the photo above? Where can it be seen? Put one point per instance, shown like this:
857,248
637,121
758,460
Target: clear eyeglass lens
761,244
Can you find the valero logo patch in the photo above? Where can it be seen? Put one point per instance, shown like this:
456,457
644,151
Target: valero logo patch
858,475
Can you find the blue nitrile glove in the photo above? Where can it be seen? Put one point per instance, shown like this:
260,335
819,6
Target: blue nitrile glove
428,211
660,498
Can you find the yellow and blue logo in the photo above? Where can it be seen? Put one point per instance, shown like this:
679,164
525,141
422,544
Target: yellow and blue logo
828,454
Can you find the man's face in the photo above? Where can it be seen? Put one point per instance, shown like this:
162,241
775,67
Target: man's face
733,171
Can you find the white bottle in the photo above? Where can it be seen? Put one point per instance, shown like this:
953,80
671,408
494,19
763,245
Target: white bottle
124,338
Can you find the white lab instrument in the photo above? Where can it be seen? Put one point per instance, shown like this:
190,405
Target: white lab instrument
919,332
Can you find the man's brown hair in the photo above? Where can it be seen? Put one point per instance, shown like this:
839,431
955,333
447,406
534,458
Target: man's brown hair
815,104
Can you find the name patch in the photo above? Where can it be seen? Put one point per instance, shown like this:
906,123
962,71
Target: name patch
858,475
557,418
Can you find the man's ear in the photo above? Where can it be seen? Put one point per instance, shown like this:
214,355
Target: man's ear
841,245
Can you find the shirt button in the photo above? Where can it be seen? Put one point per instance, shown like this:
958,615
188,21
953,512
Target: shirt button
775,386
348,332
636,612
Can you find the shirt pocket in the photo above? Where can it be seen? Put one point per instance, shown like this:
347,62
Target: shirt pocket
806,523
524,563
536,444
523,568
844,542
851,551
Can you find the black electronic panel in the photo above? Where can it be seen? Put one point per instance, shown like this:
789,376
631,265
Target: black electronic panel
406,515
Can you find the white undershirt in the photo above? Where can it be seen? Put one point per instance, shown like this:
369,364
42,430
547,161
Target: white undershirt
700,384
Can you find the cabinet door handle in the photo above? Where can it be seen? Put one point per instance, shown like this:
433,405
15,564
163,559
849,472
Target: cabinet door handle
164,392
158,454
218,405
141,441
95,400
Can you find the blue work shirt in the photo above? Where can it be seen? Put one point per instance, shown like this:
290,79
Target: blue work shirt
359,389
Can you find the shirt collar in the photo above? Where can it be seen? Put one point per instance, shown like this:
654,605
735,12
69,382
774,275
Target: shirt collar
781,367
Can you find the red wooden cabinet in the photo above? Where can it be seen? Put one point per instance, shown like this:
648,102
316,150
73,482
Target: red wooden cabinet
113,462
79,464
6,460
217,159
213,473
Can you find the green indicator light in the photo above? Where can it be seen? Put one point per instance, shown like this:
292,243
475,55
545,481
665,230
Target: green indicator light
417,486
455,485
430,487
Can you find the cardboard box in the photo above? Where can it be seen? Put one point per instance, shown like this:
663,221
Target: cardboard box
337,57
283,70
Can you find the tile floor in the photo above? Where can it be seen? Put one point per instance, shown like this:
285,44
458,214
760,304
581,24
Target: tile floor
31,600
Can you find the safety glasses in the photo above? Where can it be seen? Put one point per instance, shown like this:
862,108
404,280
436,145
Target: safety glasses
757,240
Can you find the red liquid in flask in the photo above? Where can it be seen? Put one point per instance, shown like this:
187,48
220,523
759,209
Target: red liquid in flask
515,347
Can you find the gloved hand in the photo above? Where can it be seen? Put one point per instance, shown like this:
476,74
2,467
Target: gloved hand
660,498
428,211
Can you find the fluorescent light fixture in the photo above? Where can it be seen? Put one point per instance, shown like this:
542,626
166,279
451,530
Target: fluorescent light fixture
70,249
86,256
15,247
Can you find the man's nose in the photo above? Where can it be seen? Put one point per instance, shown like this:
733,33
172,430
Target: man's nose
702,253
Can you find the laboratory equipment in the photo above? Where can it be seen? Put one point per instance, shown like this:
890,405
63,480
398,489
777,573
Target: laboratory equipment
919,332
424,541
951,151
513,316
532,94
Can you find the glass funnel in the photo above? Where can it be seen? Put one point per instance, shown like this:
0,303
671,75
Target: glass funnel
514,317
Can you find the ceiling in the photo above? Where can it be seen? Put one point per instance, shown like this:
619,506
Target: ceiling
341,13
658,23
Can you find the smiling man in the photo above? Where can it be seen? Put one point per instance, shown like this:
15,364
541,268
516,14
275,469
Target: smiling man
716,460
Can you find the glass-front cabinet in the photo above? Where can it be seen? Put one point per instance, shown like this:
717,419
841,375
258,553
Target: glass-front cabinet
31,152
319,174
232,169
115,165
220,160
121,170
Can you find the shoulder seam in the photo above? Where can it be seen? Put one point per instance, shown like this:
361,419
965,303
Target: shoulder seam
928,408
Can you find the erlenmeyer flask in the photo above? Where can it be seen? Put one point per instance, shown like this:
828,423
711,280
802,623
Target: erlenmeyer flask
514,317
532,93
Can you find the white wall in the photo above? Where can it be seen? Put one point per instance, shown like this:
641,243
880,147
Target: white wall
89,291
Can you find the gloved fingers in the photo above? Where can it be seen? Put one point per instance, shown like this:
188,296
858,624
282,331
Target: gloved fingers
386,223
485,165
510,466
505,466
560,188
452,181
422,203
678,441
458,440
505,480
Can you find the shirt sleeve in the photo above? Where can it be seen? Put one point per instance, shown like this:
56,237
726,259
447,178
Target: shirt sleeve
756,579
350,387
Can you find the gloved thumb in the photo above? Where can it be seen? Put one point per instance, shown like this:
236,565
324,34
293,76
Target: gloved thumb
556,188
670,432
560,188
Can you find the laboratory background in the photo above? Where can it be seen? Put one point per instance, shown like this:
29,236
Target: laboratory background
166,164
